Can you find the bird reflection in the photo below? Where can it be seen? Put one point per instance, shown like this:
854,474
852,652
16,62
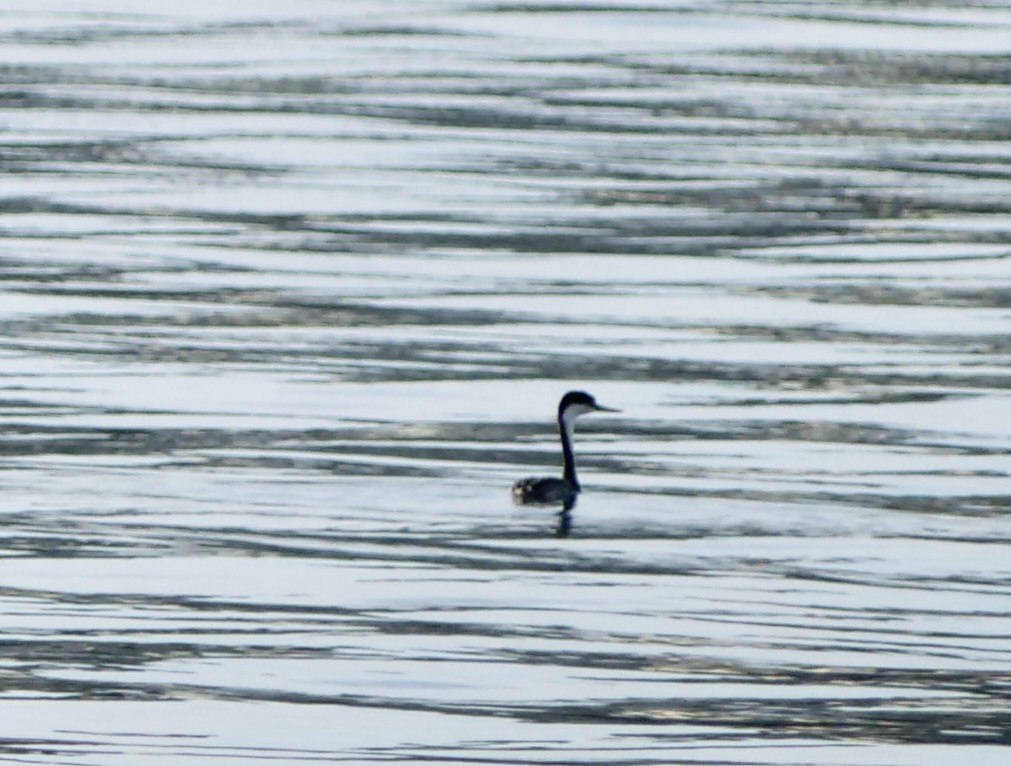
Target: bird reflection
564,526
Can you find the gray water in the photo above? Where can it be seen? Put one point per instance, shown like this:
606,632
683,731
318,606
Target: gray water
290,292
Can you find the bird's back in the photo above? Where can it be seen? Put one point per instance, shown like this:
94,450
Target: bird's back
543,491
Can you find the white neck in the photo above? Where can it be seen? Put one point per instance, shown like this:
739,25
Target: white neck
569,421
566,424
570,414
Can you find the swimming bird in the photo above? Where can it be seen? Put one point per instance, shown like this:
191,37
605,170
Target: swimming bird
550,490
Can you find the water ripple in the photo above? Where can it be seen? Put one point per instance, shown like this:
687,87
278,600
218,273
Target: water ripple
289,295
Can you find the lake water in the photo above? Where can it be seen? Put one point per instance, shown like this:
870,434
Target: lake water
290,292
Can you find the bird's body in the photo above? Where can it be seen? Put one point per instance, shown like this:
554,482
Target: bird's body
546,490
551,490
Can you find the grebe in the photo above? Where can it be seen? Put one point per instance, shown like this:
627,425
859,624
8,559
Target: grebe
550,490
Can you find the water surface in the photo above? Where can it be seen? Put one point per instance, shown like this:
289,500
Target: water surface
289,294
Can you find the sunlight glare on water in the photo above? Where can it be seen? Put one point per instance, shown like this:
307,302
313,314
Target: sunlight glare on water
290,294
